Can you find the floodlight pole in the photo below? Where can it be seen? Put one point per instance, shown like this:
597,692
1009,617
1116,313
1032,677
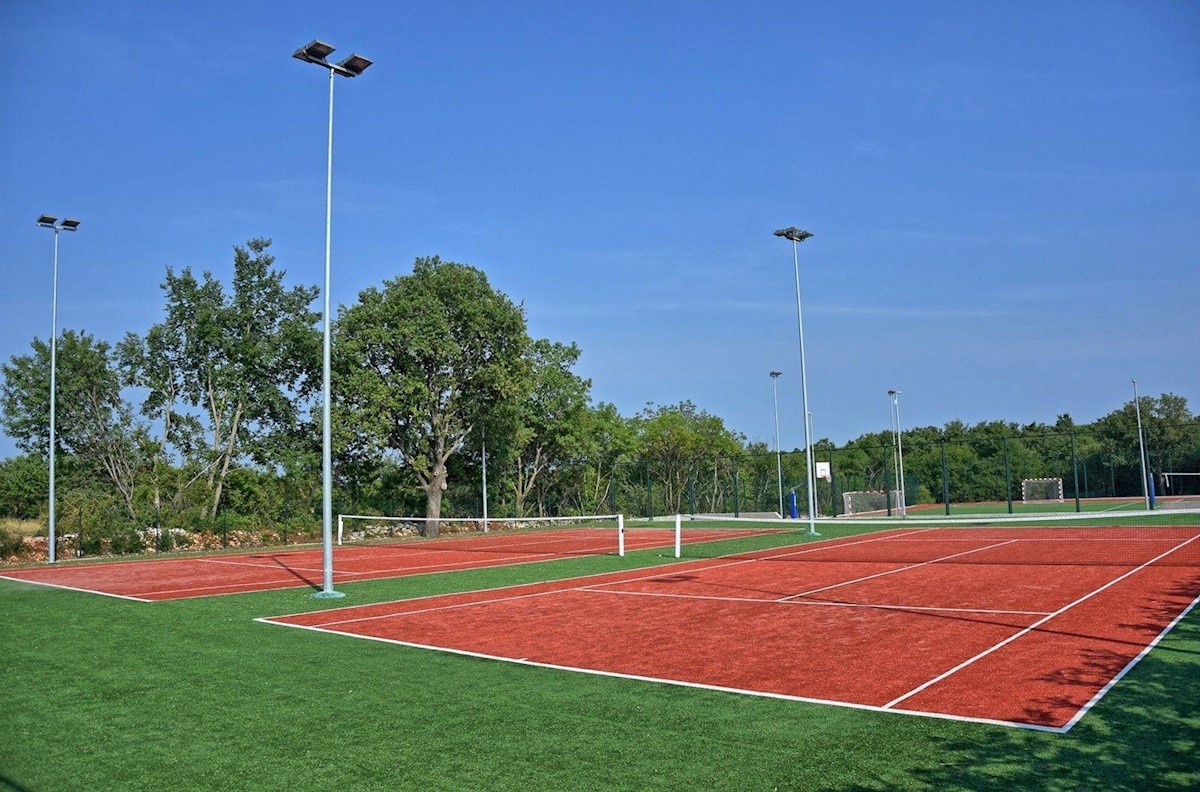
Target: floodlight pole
46,221
485,498
796,236
1137,407
316,52
778,459
899,444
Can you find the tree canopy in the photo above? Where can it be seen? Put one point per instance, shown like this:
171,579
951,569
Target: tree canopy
422,362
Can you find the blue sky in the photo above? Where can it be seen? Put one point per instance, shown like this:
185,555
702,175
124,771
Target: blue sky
1004,196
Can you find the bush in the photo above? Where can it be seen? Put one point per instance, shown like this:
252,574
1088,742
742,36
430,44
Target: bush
12,545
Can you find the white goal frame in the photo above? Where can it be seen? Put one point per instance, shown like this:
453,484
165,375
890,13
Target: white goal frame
847,501
1056,485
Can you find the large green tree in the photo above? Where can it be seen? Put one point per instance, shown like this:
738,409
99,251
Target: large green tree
225,371
681,443
422,362
92,421
550,425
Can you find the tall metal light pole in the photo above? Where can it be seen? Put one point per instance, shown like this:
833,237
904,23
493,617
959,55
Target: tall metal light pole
1137,406
796,236
778,459
46,221
485,498
316,52
899,446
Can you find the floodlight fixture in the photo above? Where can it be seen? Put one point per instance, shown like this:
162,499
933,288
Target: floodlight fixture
793,234
47,221
354,65
69,225
318,52
314,52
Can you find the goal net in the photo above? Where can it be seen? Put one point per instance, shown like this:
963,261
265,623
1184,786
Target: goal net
870,501
1041,489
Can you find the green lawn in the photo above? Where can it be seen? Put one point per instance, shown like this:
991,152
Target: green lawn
103,694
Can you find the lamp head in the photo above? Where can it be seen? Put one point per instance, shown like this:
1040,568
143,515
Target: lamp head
793,234
314,52
47,221
354,65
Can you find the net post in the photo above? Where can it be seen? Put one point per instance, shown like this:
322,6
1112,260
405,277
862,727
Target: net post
339,530
678,535
621,535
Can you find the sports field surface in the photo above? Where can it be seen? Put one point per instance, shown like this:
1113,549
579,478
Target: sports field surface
1040,658
1025,627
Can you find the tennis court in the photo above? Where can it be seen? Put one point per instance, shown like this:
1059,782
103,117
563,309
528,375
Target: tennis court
1024,627
236,573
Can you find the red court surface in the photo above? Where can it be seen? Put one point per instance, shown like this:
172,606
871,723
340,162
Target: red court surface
1009,626
236,573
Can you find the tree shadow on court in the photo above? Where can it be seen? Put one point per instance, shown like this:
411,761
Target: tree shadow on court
294,573
1143,734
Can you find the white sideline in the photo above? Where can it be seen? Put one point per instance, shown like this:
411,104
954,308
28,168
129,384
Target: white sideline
1034,626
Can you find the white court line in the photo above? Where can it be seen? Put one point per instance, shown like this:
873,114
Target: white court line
663,571
893,571
1129,666
675,682
1033,626
817,603
76,588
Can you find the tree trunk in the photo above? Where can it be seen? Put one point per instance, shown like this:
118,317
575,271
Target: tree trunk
227,457
433,499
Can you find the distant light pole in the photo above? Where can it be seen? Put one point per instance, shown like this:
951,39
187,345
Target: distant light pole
898,445
46,221
316,52
485,514
1137,406
796,236
778,459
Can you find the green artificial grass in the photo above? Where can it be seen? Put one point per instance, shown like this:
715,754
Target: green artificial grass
107,694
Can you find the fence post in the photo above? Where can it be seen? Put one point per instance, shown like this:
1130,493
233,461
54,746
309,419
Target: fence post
945,480
834,509
736,491
1075,466
649,490
887,488
1007,476
224,529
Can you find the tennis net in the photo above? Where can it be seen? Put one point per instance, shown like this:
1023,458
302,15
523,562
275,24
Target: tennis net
1087,539
574,535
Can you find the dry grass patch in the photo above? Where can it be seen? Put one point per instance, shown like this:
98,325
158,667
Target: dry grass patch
22,527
